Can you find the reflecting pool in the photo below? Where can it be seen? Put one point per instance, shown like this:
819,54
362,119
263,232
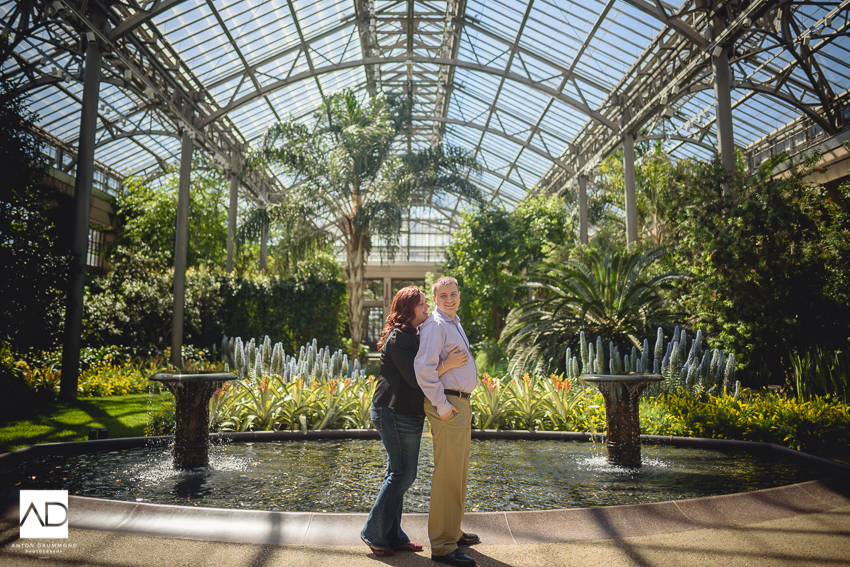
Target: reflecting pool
345,475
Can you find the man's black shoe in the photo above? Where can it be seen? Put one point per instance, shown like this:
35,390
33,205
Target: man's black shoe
456,558
468,539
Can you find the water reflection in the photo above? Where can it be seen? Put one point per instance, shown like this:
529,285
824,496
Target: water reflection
345,475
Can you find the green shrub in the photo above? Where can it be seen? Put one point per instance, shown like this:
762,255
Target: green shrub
34,228
131,306
117,379
291,311
766,263
161,421
819,371
818,425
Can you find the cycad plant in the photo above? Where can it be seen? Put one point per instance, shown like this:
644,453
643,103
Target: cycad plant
610,296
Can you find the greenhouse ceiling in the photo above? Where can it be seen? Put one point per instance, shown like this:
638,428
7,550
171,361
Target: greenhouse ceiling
541,91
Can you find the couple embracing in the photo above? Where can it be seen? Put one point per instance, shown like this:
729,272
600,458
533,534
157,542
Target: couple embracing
426,369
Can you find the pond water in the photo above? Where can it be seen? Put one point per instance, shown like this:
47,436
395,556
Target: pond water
345,475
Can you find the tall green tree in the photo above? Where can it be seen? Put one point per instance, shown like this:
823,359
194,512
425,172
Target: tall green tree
491,251
347,170
767,263
32,260
148,212
295,244
613,296
655,172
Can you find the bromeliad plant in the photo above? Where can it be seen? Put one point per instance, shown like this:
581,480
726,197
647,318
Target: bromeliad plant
526,409
539,403
267,403
561,400
489,404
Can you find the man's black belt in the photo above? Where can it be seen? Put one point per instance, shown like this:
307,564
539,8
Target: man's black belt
458,393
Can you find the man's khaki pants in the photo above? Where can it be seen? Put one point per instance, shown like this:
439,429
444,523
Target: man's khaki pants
451,463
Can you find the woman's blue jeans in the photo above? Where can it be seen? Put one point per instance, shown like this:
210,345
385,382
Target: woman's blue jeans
401,435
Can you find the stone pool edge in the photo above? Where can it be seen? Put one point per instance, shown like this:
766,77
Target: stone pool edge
496,528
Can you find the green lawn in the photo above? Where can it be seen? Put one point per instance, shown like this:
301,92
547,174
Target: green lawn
124,416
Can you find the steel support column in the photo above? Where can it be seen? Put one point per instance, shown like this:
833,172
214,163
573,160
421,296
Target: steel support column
722,92
181,246
82,211
723,101
231,219
264,247
582,203
582,209
629,178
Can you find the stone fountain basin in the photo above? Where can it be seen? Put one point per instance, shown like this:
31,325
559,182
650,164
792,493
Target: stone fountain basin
311,528
622,412
622,378
193,377
192,392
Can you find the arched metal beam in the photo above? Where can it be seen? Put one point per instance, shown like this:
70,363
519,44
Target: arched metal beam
40,82
744,85
751,86
656,11
549,91
495,132
115,137
141,17
703,145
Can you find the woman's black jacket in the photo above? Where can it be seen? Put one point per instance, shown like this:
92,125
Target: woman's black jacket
397,387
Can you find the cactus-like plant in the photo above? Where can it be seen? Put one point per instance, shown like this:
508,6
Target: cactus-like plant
311,364
699,373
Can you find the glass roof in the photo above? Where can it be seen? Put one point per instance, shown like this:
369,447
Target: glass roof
535,89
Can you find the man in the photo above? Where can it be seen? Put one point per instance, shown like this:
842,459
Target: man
449,412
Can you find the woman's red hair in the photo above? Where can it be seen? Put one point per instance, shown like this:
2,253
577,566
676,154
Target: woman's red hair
402,312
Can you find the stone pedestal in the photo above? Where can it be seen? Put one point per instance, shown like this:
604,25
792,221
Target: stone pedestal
622,413
192,393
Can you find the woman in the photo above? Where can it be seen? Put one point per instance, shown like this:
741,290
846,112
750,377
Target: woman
398,415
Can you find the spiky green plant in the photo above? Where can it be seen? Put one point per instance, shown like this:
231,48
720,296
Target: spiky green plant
312,363
700,373
820,371
612,297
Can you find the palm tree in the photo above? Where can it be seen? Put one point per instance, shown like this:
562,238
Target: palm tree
608,296
347,172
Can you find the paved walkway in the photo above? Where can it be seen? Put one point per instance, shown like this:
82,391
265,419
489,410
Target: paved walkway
818,540
803,524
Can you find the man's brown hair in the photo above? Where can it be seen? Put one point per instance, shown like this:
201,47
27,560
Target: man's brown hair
445,280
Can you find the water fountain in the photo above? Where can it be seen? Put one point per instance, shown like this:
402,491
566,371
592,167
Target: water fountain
339,471
192,393
622,380
622,413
